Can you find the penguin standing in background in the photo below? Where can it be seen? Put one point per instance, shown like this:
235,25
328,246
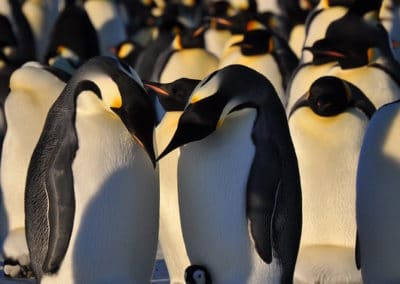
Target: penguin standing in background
128,51
378,197
240,221
107,22
327,125
173,97
217,26
41,15
25,49
166,31
324,16
79,190
33,89
73,37
186,58
268,54
353,49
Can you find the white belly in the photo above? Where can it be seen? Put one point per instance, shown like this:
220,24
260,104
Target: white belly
212,178
114,238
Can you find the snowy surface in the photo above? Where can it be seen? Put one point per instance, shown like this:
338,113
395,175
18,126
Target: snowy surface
160,274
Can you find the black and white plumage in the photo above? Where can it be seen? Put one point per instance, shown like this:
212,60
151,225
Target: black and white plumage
235,115
71,182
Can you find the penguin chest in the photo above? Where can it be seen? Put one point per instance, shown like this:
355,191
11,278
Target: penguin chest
215,41
212,180
327,150
267,66
193,63
23,131
116,198
375,83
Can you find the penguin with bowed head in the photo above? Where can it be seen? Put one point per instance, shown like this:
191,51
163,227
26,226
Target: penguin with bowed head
377,198
173,98
91,197
266,52
23,130
327,125
240,221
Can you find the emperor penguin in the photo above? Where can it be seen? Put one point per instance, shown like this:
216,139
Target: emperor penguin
128,51
73,36
269,54
24,49
91,198
41,16
241,221
327,125
173,97
186,57
353,49
328,12
107,22
377,198
33,89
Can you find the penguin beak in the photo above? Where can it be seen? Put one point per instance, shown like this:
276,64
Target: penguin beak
199,31
156,87
330,53
194,124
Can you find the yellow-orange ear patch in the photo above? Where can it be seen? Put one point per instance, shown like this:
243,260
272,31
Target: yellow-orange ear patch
117,102
125,50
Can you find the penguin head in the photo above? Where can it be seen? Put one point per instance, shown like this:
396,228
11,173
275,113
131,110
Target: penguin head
127,51
172,96
258,41
197,274
189,38
226,90
123,93
331,96
349,41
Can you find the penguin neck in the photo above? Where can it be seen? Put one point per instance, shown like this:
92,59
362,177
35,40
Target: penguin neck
166,129
88,103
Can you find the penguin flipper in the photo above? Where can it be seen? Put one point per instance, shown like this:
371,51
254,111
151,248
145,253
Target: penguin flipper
358,253
262,188
60,190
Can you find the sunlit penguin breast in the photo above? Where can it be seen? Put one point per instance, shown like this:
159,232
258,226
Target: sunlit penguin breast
213,174
193,63
171,238
24,128
102,175
327,149
377,84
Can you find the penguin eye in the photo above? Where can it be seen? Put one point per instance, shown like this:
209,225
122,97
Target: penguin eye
198,275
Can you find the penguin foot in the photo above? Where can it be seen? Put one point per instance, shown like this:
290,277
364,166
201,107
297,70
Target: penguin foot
17,269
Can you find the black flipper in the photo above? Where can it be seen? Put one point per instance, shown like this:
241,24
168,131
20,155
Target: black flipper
274,194
358,253
49,194
262,187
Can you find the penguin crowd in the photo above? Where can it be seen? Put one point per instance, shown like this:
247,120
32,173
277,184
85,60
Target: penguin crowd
251,141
